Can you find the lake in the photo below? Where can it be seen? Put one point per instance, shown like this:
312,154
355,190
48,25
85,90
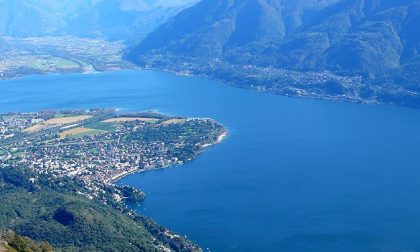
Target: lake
293,174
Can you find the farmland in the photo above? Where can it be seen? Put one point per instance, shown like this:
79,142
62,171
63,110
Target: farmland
80,132
67,119
129,119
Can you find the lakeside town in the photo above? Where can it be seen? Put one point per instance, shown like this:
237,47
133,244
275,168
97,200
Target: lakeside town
99,146
343,86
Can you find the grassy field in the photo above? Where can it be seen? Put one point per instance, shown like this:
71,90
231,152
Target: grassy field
67,119
175,120
64,64
101,126
57,120
129,119
51,63
80,132
18,154
35,128
93,151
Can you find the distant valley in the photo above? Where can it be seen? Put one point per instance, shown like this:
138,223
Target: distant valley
64,54
38,37
127,20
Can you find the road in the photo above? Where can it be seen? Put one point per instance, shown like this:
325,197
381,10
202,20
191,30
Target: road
7,156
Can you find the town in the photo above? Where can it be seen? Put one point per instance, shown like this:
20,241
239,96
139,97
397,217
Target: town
99,146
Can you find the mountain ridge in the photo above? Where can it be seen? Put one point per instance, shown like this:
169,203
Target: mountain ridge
128,20
375,40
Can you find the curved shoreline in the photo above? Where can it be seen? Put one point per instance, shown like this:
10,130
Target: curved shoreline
118,177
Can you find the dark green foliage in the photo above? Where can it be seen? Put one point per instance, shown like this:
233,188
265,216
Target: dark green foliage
46,209
187,135
131,194
193,131
64,216
100,126
13,242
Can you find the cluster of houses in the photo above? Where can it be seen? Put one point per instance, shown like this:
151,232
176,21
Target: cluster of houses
10,124
102,158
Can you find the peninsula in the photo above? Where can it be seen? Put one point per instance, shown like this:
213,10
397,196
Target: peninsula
82,152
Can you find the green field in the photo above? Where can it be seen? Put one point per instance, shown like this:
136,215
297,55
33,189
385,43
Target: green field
18,154
91,132
55,63
80,132
101,126
93,151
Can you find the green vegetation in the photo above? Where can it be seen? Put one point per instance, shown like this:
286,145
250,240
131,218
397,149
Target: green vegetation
56,186
55,210
101,126
89,132
11,242
360,51
52,63
192,130
59,55
93,151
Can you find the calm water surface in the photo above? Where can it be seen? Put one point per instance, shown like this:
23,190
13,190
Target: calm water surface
293,175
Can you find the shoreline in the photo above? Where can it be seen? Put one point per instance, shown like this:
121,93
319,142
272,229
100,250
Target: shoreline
329,98
305,95
118,177
220,138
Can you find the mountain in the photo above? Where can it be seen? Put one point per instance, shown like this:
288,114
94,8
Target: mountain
129,20
23,18
372,45
54,210
109,19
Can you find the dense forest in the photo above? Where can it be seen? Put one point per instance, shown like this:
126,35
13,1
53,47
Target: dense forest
55,211
12,242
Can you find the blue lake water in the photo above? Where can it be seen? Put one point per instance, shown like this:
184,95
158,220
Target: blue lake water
293,174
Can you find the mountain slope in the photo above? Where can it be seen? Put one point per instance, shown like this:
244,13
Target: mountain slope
23,18
110,19
374,39
11,242
129,20
55,210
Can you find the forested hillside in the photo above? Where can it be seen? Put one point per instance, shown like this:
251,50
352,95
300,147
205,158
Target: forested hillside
55,211
372,44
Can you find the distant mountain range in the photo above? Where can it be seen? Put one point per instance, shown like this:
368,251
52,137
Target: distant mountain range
370,48
128,20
